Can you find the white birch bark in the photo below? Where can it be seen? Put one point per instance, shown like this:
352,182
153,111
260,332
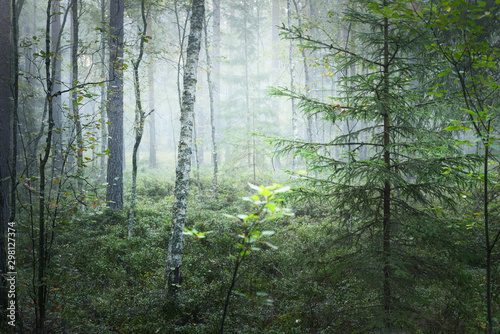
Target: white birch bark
175,247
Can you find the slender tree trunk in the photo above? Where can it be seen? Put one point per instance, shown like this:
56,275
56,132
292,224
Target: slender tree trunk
292,87
247,85
196,156
104,138
175,247
74,95
41,295
139,118
215,74
489,246
6,97
307,78
212,110
276,38
387,299
56,87
114,192
152,125
276,65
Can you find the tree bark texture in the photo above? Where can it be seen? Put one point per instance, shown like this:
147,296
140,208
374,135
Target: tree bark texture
114,192
175,247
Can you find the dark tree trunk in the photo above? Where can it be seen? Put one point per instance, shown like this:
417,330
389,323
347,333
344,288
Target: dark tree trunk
41,284
114,192
387,225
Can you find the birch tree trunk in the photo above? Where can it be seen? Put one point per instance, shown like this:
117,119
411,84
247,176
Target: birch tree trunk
114,192
175,247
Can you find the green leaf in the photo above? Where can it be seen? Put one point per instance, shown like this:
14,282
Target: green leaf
254,187
265,192
271,245
282,190
267,232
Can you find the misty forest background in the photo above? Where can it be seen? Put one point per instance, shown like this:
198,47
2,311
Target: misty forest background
251,166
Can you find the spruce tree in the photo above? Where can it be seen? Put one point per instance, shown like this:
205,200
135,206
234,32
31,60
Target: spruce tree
387,202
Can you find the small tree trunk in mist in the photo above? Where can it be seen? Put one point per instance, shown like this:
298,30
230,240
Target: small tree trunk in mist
175,247
152,126
212,110
196,157
214,75
292,87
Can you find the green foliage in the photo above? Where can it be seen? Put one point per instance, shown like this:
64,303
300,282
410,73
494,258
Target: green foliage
103,282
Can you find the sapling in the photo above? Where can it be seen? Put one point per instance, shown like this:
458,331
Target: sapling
265,206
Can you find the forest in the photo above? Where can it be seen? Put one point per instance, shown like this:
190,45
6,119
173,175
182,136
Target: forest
249,166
